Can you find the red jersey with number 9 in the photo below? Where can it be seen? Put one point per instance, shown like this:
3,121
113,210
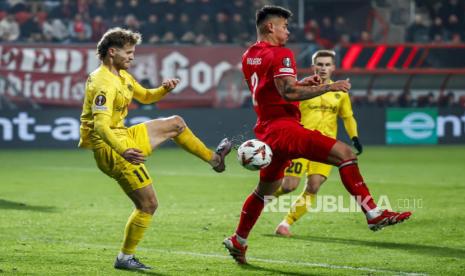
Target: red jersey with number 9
261,64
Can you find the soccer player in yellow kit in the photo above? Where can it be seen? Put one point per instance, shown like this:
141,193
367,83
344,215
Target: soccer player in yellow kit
120,151
319,113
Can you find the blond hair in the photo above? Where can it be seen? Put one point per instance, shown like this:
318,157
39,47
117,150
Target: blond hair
324,53
116,37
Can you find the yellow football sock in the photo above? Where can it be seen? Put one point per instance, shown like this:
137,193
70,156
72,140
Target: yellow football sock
189,142
300,207
279,192
138,222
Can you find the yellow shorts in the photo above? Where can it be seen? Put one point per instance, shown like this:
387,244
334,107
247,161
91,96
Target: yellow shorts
300,167
129,176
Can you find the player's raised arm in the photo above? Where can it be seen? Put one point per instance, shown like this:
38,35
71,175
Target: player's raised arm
148,96
291,90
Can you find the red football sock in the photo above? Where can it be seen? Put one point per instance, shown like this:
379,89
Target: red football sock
353,181
251,210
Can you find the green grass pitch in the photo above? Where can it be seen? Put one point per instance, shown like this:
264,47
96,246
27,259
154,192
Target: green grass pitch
59,215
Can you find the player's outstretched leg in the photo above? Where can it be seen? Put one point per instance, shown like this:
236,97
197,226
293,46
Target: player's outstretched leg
355,185
174,127
387,218
223,149
189,142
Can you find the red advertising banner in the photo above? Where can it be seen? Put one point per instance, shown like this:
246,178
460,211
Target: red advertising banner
56,74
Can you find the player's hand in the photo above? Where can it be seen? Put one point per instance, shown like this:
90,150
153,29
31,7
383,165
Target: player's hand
170,84
341,85
310,81
133,156
357,145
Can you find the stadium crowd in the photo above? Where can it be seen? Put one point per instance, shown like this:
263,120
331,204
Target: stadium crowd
438,22
204,22
406,99
200,22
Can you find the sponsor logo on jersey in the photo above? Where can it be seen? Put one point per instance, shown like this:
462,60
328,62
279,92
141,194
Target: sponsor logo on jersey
286,70
130,87
337,95
99,108
324,108
287,62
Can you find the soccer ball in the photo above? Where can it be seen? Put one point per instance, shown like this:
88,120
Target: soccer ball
254,155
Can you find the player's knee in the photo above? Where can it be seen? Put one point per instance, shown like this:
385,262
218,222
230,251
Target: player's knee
289,185
289,189
347,153
178,123
313,187
149,206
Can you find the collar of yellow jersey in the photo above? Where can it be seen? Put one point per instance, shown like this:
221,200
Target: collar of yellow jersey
330,81
108,72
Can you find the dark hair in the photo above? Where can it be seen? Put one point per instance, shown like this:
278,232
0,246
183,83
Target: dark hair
116,37
266,12
324,53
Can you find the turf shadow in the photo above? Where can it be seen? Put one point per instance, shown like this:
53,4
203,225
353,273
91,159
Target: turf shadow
435,251
146,272
12,205
252,267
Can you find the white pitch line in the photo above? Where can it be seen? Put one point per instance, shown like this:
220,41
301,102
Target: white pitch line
286,262
270,261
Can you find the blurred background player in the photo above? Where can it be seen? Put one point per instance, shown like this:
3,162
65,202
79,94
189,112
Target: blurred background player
120,152
319,113
270,71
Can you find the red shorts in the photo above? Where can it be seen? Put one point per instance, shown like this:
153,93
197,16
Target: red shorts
288,140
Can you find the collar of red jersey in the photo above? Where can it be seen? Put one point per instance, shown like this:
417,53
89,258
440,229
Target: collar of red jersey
266,43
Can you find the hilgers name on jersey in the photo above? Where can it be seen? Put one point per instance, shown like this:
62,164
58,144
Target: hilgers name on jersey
254,61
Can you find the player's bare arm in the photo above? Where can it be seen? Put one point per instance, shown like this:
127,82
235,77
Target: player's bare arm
291,90
310,80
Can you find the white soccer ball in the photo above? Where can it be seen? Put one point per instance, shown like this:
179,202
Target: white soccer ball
254,154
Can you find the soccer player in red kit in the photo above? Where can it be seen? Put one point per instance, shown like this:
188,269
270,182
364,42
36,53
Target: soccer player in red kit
270,71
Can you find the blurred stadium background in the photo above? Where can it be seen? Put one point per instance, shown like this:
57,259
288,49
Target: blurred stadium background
405,58
59,215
